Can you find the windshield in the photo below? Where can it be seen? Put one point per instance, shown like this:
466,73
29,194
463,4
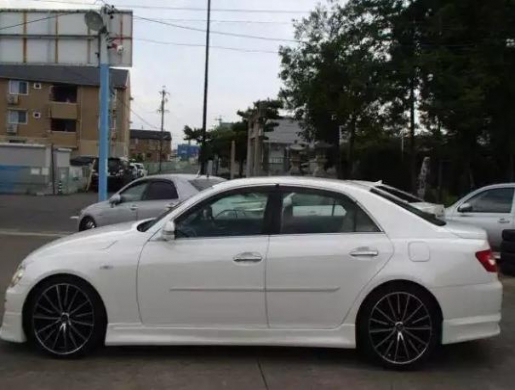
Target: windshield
405,205
204,184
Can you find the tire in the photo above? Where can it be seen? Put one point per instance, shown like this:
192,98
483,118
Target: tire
508,235
399,326
87,223
64,317
507,268
508,247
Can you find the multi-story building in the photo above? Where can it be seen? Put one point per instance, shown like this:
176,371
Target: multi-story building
59,105
146,144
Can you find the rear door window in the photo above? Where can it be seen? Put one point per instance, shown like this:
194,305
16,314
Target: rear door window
161,190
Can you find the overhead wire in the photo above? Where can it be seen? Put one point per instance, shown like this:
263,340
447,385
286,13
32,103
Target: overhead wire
202,46
238,35
194,9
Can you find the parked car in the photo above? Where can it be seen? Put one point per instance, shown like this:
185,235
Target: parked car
144,198
140,169
438,210
119,173
378,274
82,161
490,208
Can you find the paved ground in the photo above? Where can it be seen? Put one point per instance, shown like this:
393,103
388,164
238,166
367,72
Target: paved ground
42,213
487,364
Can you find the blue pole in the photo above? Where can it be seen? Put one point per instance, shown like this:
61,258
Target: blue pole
104,130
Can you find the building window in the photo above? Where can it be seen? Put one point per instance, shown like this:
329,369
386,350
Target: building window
17,117
64,93
149,155
64,125
18,87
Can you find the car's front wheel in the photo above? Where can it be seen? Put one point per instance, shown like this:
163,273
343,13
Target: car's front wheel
87,223
64,317
399,326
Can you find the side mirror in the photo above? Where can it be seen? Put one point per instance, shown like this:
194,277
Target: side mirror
465,208
115,199
168,232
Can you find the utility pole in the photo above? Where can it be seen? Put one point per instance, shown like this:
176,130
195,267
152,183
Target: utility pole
206,84
162,110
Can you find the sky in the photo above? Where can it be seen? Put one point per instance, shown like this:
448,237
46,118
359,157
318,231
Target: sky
237,78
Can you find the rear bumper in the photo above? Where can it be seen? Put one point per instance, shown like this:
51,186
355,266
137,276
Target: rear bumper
470,312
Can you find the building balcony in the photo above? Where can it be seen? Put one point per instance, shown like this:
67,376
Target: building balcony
63,139
59,110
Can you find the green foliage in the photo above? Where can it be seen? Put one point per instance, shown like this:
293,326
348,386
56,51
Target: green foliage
379,68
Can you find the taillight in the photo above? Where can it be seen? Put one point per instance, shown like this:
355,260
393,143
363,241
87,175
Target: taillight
487,260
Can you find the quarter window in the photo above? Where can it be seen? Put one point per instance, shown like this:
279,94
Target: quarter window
311,212
161,190
238,214
17,117
497,200
18,87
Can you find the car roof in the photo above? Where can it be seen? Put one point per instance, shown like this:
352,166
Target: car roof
184,176
301,181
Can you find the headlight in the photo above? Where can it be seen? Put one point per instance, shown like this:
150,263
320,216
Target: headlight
17,276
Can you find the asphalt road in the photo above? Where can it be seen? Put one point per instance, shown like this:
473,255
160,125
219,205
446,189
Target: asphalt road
26,213
487,364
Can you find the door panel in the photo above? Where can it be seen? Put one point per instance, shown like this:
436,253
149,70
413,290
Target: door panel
213,274
123,212
203,282
313,279
492,211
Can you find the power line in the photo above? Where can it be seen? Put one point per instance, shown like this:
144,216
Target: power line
203,45
225,21
194,9
217,32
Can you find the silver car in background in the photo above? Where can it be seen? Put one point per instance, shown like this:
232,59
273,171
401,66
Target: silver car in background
144,198
490,208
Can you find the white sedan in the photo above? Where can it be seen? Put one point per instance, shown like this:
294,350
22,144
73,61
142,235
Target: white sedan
264,261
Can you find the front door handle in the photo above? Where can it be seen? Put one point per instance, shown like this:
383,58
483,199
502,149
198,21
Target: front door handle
133,207
364,252
504,220
248,257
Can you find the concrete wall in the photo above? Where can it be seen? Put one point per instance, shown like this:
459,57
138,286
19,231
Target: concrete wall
27,169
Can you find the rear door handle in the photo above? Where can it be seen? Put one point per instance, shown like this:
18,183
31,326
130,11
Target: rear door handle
248,257
364,253
504,220
133,207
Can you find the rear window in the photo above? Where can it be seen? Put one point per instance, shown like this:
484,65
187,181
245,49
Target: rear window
204,184
405,196
406,206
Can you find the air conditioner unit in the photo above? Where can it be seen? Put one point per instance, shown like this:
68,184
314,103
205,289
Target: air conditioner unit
12,99
37,85
12,128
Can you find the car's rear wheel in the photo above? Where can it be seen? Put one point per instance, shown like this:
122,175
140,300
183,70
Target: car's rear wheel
87,223
64,317
399,326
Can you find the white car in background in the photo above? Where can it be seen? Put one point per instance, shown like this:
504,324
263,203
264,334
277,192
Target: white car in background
264,261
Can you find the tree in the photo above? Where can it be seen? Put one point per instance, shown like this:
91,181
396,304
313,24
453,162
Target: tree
332,79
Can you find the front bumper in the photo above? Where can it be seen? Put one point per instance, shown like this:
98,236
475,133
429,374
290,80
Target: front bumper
12,324
470,312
